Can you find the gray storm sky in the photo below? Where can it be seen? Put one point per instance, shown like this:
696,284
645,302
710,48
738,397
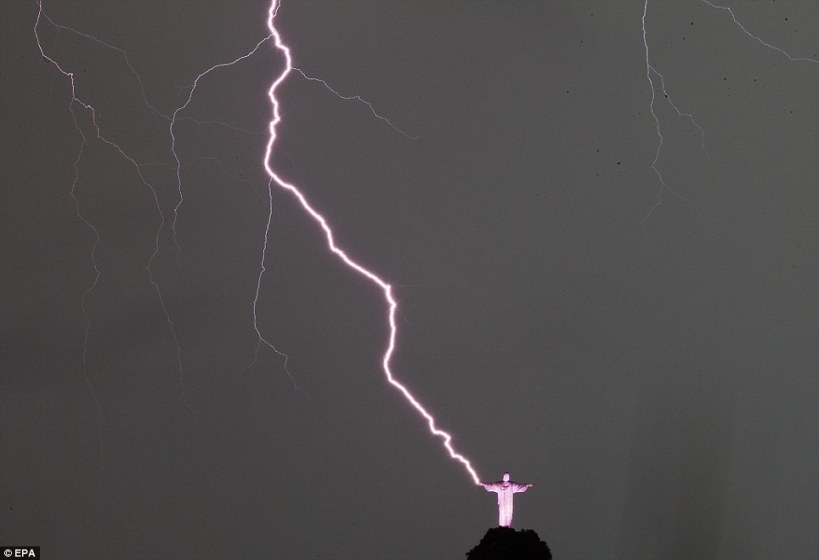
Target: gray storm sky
647,356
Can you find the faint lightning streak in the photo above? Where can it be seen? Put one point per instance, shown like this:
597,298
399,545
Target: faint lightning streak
93,284
138,167
660,139
359,99
173,136
136,75
121,51
260,338
322,222
229,126
680,113
650,70
758,39
262,269
192,89
198,159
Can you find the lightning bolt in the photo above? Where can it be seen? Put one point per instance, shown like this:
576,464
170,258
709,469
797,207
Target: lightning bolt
274,179
321,221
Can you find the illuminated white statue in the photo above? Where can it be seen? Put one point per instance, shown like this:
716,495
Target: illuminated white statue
505,489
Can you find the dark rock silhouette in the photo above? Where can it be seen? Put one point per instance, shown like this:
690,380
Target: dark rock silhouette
505,543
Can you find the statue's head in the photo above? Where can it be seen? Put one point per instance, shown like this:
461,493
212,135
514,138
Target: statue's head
506,477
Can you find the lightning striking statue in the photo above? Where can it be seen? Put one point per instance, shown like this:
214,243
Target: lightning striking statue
505,489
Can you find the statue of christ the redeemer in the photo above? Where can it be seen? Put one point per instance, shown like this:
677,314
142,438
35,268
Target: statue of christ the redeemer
505,489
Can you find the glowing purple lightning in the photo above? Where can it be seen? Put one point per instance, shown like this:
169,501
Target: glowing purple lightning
328,232
174,118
